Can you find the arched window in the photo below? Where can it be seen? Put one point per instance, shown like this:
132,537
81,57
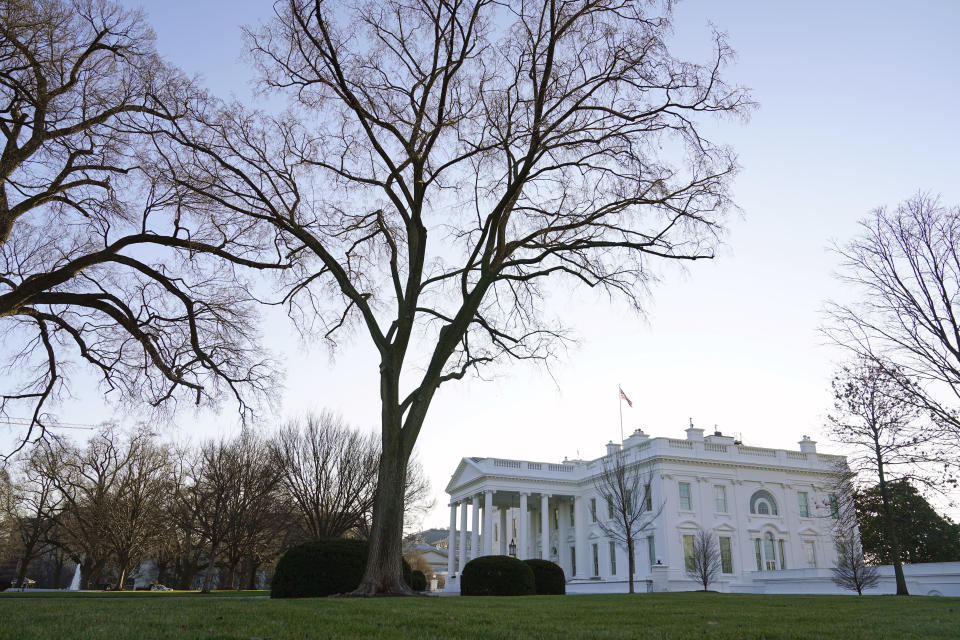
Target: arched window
762,502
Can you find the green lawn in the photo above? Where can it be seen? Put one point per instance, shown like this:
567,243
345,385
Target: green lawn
674,615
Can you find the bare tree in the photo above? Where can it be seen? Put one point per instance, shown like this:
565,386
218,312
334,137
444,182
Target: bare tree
874,413
99,261
442,161
329,472
905,266
627,492
852,571
704,565
34,510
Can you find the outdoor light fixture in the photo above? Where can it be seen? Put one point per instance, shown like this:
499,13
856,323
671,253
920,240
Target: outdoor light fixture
513,548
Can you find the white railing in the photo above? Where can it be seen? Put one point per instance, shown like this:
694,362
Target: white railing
709,446
757,451
511,464
534,466
559,467
680,444
796,455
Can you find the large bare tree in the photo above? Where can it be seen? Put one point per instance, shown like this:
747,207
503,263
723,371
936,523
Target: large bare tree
876,416
852,571
704,564
905,270
99,262
34,511
442,161
626,489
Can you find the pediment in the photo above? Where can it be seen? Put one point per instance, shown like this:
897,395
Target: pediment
726,526
688,524
466,472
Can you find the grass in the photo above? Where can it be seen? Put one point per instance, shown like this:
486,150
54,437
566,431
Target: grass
661,616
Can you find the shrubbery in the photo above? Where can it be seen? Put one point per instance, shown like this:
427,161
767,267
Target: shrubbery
548,577
322,568
5,584
418,581
497,576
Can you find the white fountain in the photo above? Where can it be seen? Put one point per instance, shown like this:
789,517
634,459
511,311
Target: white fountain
75,583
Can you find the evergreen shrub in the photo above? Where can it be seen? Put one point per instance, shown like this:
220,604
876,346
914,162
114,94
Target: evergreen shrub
548,577
322,567
418,581
497,576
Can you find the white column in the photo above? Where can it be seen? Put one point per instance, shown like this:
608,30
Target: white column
463,535
580,536
503,531
488,523
452,541
545,526
475,529
563,550
522,544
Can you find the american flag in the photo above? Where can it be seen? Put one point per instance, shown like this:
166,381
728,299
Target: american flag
623,396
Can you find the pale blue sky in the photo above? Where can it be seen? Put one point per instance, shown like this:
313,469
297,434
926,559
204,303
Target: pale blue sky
858,105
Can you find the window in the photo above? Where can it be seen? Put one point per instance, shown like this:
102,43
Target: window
685,503
757,543
726,555
841,555
810,551
652,549
834,507
556,518
514,528
573,561
688,553
804,504
596,561
647,498
609,507
613,558
496,536
763,503
573,511
629,502
593,509
720,497
783,554
769,553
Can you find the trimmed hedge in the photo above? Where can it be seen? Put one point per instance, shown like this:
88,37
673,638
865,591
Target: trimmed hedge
321,568
548,577
497,576
418,581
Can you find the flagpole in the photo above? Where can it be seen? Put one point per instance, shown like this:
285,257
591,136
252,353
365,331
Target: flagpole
620,402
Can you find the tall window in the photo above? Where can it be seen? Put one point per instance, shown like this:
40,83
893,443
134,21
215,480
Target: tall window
810,551
556,518
834,507
688,553
609,507
726,555
720,497
685,503
593,509
496,535
573,510
596,561
652,549
769,553
783,554
804,504
841,555
514,522
647,498
573,561
629,502
613,558
757,545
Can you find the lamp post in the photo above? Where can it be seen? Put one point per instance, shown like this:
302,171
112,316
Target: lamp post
513,548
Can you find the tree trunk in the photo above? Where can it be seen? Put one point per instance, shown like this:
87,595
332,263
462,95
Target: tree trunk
252,575
894,539
384,574
631,564
24,565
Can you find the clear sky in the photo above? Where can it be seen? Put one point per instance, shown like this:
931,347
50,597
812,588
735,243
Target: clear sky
858,109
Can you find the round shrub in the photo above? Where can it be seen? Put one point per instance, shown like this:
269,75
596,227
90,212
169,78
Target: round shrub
496,576
418,581
321,568
5,584
548,577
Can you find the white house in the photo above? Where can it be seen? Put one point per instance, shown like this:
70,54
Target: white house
768,508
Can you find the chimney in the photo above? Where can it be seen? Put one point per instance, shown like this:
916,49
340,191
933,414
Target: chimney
612,448
807,445
693,433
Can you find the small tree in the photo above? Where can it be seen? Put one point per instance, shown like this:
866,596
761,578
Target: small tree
630,502
704,565
852,571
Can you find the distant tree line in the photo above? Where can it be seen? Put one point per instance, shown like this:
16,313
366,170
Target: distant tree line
214,515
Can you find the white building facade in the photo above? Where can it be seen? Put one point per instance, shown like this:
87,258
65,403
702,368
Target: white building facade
769,510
